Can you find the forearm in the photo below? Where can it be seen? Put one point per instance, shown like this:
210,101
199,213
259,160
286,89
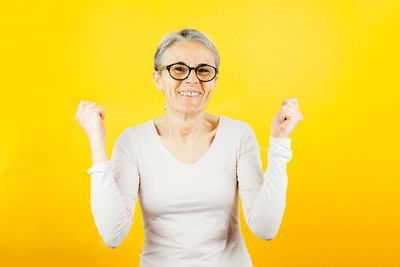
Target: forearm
266,205
98,148
266,216
112,216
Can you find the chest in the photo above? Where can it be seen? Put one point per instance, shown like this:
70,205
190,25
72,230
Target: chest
189,151
169,188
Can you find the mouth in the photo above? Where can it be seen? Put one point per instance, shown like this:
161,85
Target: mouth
189,93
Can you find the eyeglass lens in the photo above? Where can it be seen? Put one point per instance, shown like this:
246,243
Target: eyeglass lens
204,73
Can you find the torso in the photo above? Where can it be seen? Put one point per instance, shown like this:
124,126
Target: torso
192,149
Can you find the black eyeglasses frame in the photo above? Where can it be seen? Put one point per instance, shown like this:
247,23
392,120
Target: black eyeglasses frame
168,67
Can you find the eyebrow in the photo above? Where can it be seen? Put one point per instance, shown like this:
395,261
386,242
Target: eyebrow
181,62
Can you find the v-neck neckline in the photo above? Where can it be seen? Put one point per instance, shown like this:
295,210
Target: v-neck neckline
209,150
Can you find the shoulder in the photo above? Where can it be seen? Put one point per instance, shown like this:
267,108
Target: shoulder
240,135
236,126
237,132
138,132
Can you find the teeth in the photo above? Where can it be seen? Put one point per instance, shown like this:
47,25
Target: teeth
189,93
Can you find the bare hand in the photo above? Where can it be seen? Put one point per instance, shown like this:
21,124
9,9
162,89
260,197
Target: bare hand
286,119
90,117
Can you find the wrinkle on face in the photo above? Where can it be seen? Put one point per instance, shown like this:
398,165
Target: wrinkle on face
191,53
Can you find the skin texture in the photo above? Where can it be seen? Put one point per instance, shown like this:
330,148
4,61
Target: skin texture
186,129
286,119
90,117
185,118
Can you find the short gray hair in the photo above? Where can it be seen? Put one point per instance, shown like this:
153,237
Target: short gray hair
186,34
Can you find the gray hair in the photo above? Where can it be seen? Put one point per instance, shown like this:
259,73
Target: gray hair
186,34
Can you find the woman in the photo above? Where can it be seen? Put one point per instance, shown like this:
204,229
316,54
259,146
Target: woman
188,167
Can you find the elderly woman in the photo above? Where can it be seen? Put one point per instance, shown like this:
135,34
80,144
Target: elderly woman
188,167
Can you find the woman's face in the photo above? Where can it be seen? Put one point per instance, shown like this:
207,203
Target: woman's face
192,54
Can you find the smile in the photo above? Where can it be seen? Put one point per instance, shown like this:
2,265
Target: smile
190,94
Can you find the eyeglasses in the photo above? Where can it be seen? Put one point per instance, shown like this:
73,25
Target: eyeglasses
180,71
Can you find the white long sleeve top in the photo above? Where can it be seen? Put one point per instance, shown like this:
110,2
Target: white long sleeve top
190,211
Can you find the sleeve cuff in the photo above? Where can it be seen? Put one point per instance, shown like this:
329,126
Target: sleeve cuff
99,167
280,141
280,146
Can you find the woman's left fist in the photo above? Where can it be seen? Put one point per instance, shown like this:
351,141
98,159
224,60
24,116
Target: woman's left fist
286,119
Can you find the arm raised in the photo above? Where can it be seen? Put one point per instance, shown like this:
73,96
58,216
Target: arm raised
114,190
263,195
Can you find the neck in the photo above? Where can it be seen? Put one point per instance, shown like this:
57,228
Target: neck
177,125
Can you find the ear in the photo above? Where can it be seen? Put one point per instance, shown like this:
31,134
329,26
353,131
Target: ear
157,80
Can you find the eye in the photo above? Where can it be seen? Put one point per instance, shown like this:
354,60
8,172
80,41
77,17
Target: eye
179,69
203,70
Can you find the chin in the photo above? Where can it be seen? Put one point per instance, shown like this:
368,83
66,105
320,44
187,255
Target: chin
190,110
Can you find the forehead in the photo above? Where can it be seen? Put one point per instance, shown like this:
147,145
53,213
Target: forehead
192,53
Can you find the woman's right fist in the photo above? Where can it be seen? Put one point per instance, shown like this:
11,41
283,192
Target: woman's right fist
90,117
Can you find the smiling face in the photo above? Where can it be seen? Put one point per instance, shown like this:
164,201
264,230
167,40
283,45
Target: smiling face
192,54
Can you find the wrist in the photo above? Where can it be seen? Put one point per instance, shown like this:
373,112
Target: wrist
96,140
279,136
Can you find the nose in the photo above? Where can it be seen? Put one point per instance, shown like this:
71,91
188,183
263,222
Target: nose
192,77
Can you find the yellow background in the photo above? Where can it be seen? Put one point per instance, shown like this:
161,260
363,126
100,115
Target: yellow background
340,59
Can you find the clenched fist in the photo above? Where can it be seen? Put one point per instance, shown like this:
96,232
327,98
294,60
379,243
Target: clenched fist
286,119
90,117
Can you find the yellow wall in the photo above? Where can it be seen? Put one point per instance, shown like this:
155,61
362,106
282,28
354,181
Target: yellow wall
340,59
